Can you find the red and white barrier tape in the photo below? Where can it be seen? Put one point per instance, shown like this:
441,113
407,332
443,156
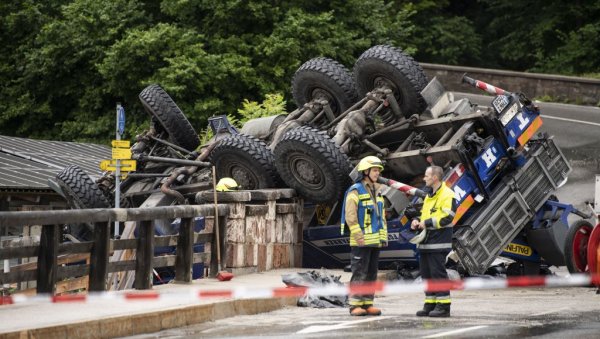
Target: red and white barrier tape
386,288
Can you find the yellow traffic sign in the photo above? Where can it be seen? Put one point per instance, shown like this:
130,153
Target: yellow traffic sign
120,143
121,153
111,165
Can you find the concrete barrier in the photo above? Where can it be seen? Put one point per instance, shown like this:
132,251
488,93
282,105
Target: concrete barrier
558,88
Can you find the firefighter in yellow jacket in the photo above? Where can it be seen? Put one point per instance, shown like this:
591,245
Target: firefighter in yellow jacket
364,215
436,217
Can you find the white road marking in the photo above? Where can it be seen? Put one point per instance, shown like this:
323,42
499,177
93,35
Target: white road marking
571,120
312,322
552,311
342,325
453,332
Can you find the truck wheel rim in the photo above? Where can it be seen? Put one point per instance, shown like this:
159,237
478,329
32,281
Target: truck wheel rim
306,171
243,176
580,245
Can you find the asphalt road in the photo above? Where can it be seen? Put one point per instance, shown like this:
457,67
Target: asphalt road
541,313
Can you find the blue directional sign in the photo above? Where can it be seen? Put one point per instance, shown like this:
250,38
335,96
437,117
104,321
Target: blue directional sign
121,119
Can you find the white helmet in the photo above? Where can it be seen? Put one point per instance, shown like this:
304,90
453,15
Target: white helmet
419,237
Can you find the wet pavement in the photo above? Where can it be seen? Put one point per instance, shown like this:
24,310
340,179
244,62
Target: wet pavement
522,313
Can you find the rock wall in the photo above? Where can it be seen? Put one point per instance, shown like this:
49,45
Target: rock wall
559,88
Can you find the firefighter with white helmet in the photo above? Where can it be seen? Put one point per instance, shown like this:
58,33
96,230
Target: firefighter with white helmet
226,185
363,215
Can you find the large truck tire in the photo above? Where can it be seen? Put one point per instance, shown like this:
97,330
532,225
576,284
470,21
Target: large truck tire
247,160
81,192
160,105
390,66
309,162
576,246
326,78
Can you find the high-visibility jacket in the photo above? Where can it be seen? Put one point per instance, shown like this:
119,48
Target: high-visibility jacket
437,214
370,220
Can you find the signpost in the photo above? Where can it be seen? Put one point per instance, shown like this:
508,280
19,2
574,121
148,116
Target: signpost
111,165
121,159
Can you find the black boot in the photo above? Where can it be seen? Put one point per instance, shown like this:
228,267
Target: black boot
428,307
440,311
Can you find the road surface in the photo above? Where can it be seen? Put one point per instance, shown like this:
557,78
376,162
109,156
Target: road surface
516,313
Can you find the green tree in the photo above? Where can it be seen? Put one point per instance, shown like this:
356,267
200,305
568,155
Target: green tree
201,83
445,34
276,37
62,94
579,54
20,21
530,35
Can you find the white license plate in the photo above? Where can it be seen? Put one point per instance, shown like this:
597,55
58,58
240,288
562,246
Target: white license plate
510,113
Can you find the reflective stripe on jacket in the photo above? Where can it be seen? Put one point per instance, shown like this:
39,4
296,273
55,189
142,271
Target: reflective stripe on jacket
437,214
369,220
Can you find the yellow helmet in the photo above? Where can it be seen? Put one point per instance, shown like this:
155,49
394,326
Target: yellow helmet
226,185
369,162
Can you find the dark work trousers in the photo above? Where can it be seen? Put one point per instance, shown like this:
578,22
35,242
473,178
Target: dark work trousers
364,263
433,266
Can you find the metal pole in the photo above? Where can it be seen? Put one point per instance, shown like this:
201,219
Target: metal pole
216,220
118,173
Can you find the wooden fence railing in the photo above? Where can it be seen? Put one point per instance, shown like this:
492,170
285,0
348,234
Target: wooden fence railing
48,270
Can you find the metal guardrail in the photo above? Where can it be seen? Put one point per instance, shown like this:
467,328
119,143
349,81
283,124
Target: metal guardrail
48,271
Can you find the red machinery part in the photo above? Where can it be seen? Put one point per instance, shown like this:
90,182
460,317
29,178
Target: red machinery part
593,254
576,246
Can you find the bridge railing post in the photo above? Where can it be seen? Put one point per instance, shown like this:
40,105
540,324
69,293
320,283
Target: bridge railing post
144,256
47,259
99,256
185,251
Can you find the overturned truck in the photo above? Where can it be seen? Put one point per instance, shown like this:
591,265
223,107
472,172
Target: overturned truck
502,170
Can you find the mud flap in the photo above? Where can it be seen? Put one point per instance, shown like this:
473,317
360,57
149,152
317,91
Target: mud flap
549,242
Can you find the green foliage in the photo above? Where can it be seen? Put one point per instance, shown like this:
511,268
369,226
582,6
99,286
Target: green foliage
450,41
59,92
273,104
579,53
526,35
65,63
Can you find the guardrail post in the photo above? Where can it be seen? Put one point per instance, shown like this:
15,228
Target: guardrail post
144,256
99,257
47,259
185,251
